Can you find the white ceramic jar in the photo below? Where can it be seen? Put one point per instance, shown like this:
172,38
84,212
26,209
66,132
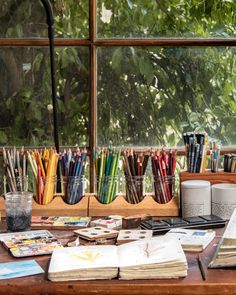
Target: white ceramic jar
195,198
223,199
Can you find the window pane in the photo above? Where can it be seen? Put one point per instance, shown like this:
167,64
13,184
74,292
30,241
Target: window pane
26,18
166,18
149,96
25,93
73,88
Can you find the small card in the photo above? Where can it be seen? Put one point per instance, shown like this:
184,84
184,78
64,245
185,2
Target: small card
112,221
30,243
19,269
95,233
126,236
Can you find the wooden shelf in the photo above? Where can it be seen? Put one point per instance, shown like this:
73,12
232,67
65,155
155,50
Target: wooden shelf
121,207
56,208
90,206
212,177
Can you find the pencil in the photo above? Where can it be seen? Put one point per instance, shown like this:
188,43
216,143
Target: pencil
200,265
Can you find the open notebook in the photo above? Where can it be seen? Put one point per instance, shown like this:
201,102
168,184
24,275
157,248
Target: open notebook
158,257
225,255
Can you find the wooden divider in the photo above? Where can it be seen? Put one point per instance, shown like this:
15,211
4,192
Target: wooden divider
121,207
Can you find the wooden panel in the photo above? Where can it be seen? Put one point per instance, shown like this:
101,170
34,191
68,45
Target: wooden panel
217,177
121,207
56,208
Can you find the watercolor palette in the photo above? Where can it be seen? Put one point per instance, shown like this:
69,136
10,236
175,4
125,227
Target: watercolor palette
60,221
30,243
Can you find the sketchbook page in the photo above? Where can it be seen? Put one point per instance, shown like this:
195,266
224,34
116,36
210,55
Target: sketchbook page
230,232
83,257
192,237
149,251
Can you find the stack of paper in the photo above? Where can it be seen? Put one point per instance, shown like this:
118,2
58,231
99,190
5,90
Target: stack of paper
192,240
225,255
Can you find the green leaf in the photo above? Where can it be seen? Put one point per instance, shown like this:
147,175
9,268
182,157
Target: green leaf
3,137
116,58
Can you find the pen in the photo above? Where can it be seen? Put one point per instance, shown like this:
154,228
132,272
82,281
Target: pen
200,265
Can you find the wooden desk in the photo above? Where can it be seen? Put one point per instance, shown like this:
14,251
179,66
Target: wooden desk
218,281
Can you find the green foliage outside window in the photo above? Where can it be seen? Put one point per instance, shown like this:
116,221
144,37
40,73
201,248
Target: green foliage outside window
146,95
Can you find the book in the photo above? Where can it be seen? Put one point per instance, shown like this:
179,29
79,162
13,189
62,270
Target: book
60,221
30,243
17,269
194,240
112,221
155,258
225,254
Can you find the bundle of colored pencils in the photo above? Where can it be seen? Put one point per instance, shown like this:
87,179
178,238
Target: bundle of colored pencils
163,169
15,166
135,165
73,168
107,163
195,148
44,167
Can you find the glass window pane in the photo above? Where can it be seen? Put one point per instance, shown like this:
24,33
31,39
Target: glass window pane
27,19
73,89
149,96
166,18
25,96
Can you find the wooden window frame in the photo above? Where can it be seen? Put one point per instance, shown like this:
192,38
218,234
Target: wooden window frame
93,43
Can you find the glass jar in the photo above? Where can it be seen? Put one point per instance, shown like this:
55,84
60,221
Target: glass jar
164,188
45,188
18,211
74,189
107,189
134,188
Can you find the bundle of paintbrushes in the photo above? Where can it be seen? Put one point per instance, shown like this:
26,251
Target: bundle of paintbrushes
107,163
15,170
73,168
214,156
229,163
195,148
163,169
44,167
135,165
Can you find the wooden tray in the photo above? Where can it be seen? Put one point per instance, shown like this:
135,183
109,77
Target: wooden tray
213,177
56,208
121,207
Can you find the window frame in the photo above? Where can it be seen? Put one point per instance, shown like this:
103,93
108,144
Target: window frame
93,43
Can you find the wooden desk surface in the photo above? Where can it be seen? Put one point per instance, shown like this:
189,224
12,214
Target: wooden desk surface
218,281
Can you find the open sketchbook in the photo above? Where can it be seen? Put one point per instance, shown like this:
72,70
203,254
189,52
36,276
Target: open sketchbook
225,255
194,240
158,257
